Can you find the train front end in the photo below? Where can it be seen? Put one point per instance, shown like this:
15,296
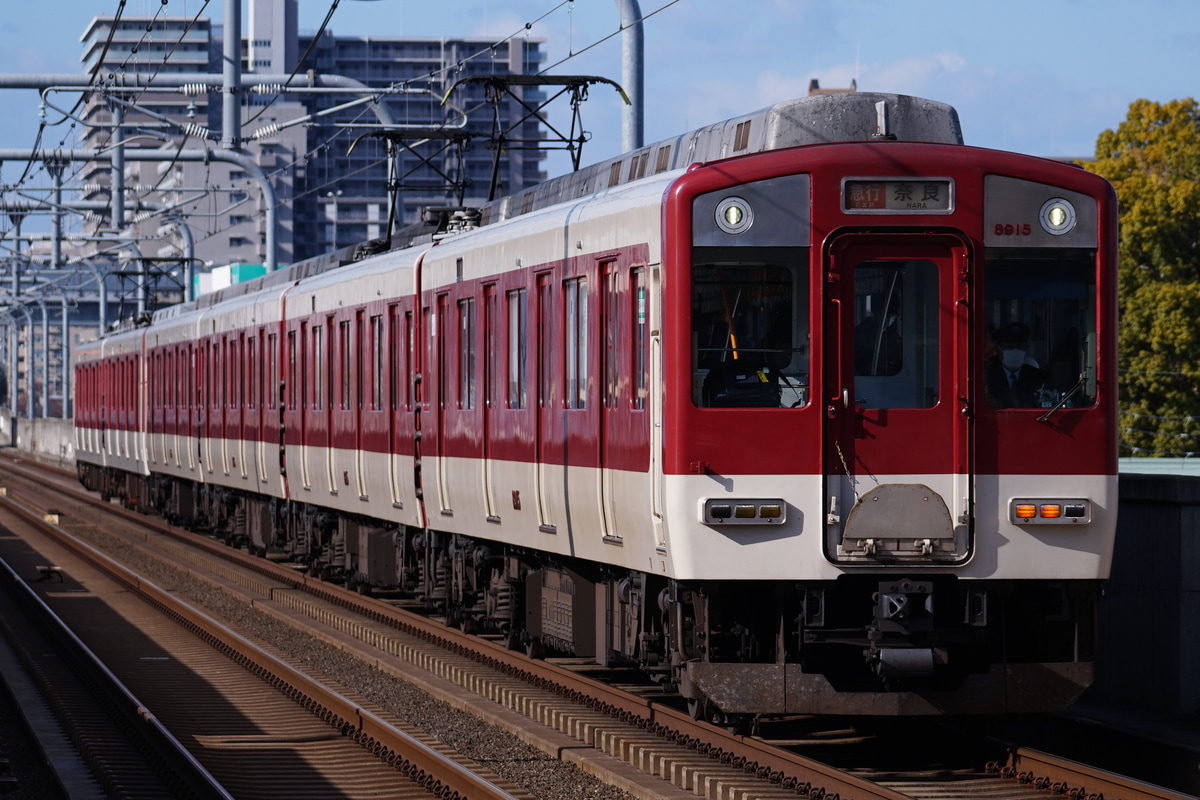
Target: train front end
890,395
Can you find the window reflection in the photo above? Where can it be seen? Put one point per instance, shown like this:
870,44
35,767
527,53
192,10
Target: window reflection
750,327
1040,329
895,334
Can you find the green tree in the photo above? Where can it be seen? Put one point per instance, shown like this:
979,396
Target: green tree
1153,160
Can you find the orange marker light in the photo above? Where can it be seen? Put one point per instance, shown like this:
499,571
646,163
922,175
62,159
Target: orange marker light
1026,511
770,512
1051,511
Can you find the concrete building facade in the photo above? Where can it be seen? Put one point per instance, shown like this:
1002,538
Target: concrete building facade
334,165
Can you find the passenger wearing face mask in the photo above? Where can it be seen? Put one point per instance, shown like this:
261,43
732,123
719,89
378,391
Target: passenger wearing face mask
1013,379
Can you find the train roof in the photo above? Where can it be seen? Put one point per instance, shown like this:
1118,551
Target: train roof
816,119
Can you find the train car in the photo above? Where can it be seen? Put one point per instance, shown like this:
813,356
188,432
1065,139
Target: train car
110,442
809,411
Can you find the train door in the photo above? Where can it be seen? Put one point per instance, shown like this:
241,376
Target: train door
343,417
298,379
212,420
442,345
547,449
402,367
274,404
224,411
491,395
195,405
183,380
239,409
154,406
259,406
897,436
583,369
175,395
366,339
614,376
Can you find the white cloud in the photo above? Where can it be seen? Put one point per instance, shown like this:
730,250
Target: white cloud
914,75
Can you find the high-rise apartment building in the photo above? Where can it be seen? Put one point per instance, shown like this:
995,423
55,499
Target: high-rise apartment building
334,158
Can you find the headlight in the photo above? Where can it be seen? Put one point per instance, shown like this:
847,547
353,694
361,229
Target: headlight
734,215
1057,216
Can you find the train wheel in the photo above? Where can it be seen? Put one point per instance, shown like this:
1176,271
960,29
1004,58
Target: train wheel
698,708
704,710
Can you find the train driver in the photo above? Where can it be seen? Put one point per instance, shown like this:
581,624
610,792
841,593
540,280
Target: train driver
1013,379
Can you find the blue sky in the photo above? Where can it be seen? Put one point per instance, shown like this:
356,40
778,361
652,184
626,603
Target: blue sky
1027,75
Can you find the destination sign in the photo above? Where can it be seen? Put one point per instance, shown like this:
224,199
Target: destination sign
911,196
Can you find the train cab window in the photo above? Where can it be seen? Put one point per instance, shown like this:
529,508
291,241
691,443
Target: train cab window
750,327
895,334
1039,328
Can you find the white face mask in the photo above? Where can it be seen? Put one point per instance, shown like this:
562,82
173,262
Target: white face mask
1012,359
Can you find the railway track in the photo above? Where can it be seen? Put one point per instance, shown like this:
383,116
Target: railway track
126,751
250,723
649,749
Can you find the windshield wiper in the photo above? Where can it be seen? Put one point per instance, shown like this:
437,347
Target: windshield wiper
1066,398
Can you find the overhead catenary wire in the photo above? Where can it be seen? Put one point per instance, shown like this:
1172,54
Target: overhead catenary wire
432,75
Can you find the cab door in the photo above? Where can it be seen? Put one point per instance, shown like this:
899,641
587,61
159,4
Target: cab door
897,443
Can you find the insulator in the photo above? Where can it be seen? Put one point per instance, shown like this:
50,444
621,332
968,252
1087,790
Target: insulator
268,88
266,131
192,129
194,88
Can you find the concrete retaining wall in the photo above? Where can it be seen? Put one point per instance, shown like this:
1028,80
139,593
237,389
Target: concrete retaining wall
51,439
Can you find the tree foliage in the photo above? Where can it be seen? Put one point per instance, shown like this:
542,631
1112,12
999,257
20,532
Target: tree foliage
1153,160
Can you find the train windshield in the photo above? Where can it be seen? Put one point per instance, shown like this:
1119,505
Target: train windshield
750,327
896,334
1040,328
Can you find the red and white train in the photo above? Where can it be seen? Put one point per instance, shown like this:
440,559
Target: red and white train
719,407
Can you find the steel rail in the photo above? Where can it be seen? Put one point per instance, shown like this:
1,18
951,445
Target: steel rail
1066,778
421,763
180,769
